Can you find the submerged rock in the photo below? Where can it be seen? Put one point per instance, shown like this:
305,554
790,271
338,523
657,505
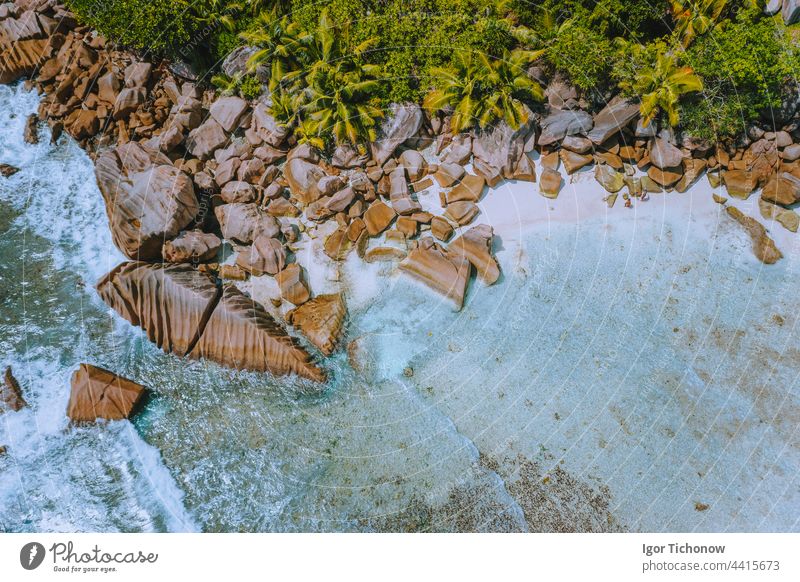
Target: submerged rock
447,273
100,394
476,246
242,335
148,200
763,246
7,170
321,320
10,393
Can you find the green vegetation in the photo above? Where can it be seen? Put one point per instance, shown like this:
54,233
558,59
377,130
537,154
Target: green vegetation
485,90
713,66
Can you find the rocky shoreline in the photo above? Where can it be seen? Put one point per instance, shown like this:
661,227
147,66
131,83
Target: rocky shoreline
182,168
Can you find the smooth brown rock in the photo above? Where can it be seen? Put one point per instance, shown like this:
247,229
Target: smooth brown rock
128,101
763,246
171,303
462,212
244,222
303,177
441,271
265,256
609,178
237,191
355,228
616,115
405,206
739,183
241,334
550,183
402,122
448,174
292,284
476,246
337,245
192,246
782,188
204,140
228,112
441,228
665,178
408,226
148,200
664,155
10,393
693,168
378,217
99,394
574,162
414,164
321,320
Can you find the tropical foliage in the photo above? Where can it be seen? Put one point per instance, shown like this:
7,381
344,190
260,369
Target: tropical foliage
334,65
481,91
694,18
661,85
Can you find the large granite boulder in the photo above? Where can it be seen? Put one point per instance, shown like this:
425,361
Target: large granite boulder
241,334
193,246
228,112
204,140
303,178
791,11
184,312
560,124
475,245
403,121
617,114
148,200
242,223
664,155
22,59
497,150
171,303
445,272
99,394
265,125
321,320
265,256
782,188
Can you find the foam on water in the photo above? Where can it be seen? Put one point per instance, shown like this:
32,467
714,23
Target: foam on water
56,477
620,371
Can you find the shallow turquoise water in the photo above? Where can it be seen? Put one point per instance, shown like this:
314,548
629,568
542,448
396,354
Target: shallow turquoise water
616,376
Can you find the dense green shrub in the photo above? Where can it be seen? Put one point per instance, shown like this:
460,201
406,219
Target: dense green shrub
157,25
745,65
585,55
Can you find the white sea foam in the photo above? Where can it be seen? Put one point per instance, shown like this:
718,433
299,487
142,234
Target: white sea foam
56,477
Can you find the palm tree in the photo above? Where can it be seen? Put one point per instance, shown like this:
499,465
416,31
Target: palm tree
694,18
277,39
332,94
661,86
481,91
212,12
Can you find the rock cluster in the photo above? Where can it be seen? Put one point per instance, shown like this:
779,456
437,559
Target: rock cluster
184,171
